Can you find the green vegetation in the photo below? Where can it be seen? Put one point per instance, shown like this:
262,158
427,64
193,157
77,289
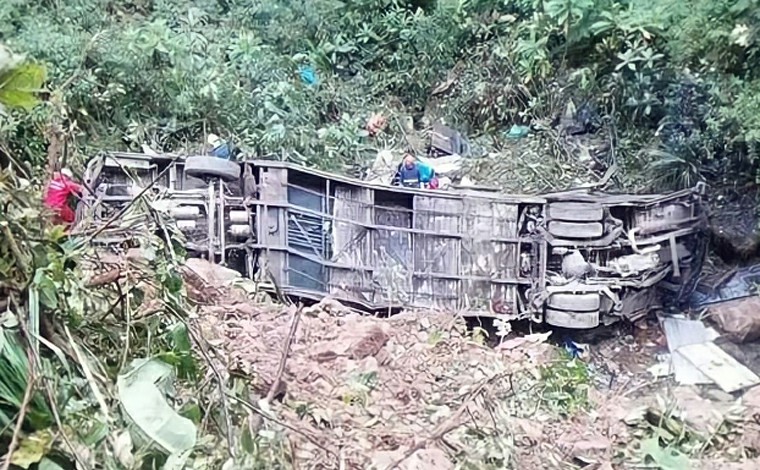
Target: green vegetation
566,383
673,82
673,88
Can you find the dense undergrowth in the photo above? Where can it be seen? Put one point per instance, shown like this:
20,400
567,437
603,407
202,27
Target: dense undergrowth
674,82
671,85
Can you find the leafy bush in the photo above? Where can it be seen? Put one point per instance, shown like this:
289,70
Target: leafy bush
166,72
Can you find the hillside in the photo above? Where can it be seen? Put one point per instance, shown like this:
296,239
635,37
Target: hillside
130,360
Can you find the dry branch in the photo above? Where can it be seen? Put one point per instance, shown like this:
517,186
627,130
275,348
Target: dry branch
446,426
285,352
260,412
197,338
134,200
105,278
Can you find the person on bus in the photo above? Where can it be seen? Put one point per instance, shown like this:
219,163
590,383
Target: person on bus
414,174
428,178
62,195
219,148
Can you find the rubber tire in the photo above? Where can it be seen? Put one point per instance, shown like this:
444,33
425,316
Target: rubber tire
572,320
575,212
576,230
574,302
200,167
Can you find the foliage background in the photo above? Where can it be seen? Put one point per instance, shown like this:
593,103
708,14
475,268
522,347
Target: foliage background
676,79
671,85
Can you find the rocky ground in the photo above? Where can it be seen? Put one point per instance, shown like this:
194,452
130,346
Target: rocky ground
421,390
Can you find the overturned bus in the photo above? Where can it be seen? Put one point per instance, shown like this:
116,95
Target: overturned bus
572,259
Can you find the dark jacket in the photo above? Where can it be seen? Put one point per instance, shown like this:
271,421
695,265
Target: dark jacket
409,177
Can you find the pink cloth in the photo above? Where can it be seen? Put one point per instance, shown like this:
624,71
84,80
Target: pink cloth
57,195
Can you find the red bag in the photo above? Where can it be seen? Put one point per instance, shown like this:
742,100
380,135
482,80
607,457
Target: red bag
434,183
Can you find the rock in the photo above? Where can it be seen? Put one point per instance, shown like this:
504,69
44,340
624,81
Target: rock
530,429
738,319
425,459
751,401
590,448
369,345
369,365
703,415
719,395
750,464
137,255
245,310
428,459
750,438
213,274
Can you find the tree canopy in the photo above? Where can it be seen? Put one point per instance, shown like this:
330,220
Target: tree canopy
677,80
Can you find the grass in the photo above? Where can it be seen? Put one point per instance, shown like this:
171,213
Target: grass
14,374
566,383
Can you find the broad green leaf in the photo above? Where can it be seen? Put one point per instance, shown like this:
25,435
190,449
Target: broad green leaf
177,461
192,412
665,458
47,464
142,395
98,432
181,338
32,449
18,86
46,289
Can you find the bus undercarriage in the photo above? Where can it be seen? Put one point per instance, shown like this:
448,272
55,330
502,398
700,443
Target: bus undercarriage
573,259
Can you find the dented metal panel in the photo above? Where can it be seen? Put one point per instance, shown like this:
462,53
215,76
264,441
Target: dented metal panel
392,255
352,213
576,230
569,319
437,251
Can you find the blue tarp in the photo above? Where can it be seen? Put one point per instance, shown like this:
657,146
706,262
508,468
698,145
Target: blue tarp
223,151
308,75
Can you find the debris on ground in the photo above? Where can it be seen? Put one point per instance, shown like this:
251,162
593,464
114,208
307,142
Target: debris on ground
728,373
382,390
412,391
308,75
376,124
696,359
383,167
518,132
447,141
724,285
418,390
683,332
